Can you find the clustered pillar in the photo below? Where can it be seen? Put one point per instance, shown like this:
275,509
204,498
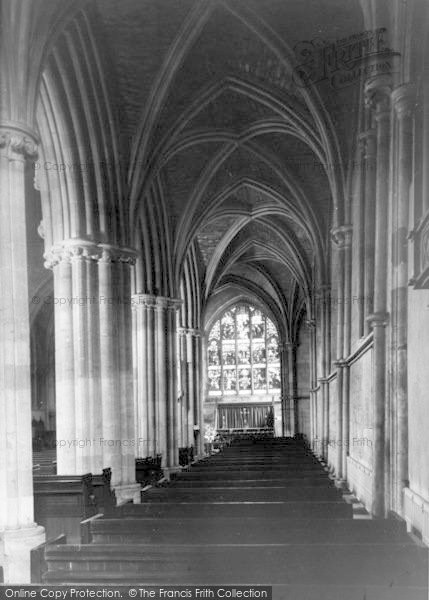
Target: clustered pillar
157,396
378,99
341,237
191,420
93,363
290,405
403,99
18,532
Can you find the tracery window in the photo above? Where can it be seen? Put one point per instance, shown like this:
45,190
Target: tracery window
243,353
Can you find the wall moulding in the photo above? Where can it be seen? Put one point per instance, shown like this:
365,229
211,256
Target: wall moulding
419,237
362,346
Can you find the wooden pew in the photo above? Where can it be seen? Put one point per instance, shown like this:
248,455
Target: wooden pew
237,474
62,501
148,470
182,483
241,475
250,494
317,564
241,530
297,509
105,498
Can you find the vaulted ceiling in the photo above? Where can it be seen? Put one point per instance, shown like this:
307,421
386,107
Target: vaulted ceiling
241,160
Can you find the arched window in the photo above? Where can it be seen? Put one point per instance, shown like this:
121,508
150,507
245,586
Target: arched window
243,354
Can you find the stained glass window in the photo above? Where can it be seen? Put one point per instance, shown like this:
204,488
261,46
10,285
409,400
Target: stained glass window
243,353
214,379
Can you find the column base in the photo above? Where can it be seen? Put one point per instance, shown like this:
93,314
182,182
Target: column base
15,546
127,492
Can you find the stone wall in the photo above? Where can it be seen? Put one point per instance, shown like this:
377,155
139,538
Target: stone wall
360,442
416,506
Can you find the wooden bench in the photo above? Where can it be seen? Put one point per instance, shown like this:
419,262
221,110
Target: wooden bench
186,455
62,501
346,564
250,494
148,470
104,495
241,530
182,483
297,509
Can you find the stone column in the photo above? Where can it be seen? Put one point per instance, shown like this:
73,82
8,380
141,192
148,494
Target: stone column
93,358
80,358
146,373
111,424
189,351
368,139
378,98
161,379
325,363
285,389
125,258
291,369
151,374
18,532
115,370
140,376
324,387
77,376
183,387
341,239
199,390
347,231
192,381
403,102
173,388
64,360
165,388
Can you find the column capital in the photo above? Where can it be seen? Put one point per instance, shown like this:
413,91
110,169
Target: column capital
144,300
404,100
71,250
119,253
379,319
189,331
377,92
80,248
342,236
18,141
311,323
165,303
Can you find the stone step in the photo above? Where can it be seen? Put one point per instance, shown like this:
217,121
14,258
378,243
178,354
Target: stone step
324,563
